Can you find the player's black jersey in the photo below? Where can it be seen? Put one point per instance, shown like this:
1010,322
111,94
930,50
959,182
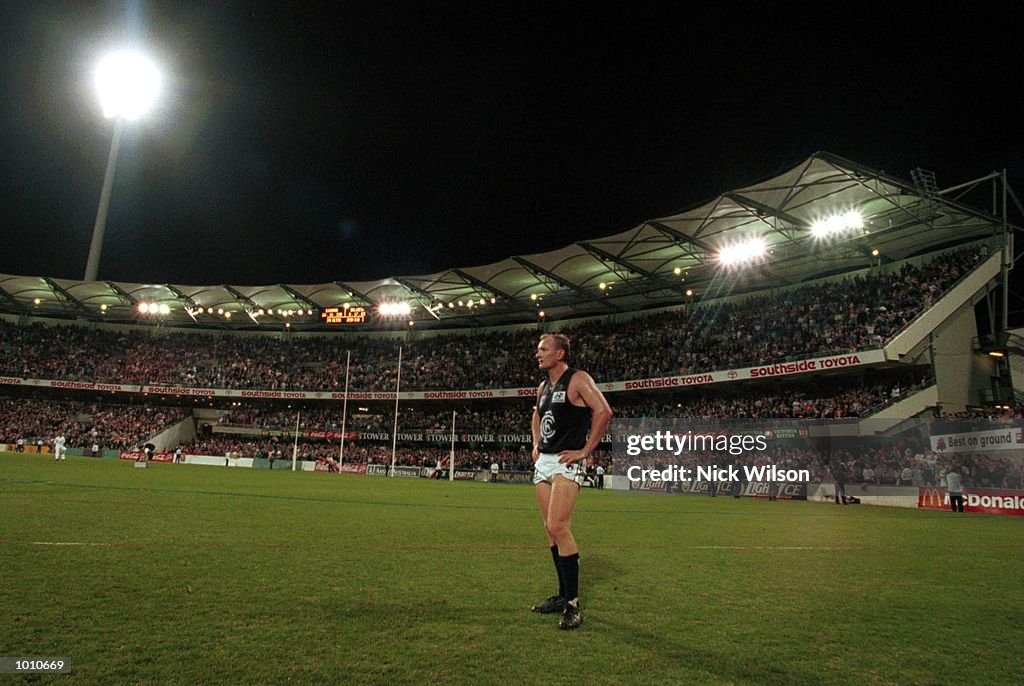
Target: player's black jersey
563,426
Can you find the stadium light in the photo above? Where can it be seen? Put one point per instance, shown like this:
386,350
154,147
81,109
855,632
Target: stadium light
742,253
128,84
393,309
837,225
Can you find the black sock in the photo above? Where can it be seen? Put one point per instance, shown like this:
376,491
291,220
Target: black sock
558,570
569,566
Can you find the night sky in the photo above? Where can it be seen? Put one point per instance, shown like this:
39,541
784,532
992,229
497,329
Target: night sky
359,141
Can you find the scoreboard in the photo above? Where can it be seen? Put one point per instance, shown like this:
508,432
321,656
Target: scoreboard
344,315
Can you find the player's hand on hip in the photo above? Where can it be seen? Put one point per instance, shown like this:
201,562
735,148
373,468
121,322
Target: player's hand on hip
570,456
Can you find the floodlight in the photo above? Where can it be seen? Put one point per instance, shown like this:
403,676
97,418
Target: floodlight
394,309
128,83
744,252
837,224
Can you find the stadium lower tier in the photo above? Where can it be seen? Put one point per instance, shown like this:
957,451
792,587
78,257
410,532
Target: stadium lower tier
108,425
485,433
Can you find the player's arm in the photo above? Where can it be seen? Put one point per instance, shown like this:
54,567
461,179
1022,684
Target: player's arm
582,385
535,427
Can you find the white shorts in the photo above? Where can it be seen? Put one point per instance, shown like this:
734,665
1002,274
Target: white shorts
547,467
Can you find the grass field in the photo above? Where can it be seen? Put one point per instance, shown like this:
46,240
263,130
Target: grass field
184,574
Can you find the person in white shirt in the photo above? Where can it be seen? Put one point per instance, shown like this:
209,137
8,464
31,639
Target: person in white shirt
59,449
955,489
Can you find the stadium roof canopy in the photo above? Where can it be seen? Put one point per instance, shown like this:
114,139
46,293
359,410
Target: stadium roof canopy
662,262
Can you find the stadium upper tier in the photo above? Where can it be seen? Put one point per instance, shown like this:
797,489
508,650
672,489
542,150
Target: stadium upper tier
825,216
825,318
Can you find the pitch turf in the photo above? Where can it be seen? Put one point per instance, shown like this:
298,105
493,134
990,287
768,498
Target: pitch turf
184,574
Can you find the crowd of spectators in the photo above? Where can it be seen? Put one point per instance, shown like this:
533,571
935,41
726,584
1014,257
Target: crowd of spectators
904,466
906,462
809,400
90,426
901,463
827,318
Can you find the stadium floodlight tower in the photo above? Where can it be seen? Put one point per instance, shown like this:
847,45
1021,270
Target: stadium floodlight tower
128,83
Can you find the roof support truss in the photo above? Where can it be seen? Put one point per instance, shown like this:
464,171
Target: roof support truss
536,269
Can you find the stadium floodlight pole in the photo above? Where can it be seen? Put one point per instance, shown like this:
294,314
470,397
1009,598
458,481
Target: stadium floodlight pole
1007,261
128,83
451,457
92,264
344,410
295,444
394,432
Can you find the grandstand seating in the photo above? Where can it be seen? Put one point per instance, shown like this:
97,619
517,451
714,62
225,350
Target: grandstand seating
829,318
832,317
